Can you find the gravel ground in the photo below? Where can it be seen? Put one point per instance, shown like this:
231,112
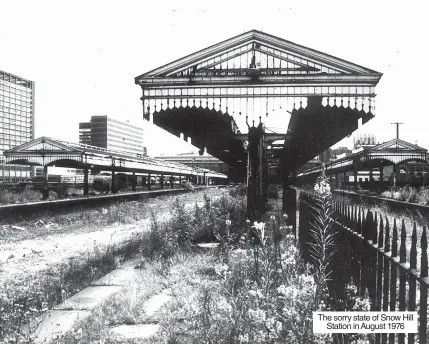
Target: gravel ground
24,259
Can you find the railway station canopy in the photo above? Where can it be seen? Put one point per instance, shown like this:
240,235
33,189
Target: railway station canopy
46,151
392,152
215,95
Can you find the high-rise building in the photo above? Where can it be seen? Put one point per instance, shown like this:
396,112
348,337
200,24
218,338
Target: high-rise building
16,121
111,134
85,133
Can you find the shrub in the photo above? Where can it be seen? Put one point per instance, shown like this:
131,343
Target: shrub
387,194
187,185
423,196
159,242
102,185
239,191
62,190
412,196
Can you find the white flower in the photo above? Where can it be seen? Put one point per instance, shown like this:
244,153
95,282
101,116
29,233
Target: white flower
322,187
261,227
272,217
243,338
247,221
281,290
285,216
228,222
279,326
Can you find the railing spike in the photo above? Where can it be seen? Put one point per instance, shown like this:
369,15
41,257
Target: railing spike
424,257
359,224
387,237
413,251
355,219
374,226
369,220
403,248
394,239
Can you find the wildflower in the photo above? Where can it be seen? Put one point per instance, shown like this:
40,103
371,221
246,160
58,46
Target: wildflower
322,187
281,290
248,221
272,217
261,227
257,315
243,338
279,326
228,222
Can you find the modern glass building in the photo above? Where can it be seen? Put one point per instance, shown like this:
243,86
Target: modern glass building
17,104
111,134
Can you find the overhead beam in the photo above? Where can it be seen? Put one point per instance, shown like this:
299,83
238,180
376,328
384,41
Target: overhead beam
262,80
264,95
267,137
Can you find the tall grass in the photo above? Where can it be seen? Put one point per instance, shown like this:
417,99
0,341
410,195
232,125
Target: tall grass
26,195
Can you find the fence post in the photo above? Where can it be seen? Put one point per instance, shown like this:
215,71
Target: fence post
372,271
412,282
393,275
379,273
402,276
363,255
386,273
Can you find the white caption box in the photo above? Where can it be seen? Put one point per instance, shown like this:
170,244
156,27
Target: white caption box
365,322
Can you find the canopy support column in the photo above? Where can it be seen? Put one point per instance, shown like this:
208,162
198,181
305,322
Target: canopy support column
161,181
85,181
171,181
148,182
113,188
133,182
396,171
45,182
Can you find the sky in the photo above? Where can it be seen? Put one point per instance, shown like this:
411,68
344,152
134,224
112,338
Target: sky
84,55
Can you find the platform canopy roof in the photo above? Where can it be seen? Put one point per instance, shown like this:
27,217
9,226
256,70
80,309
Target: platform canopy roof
394,151
218,93
210,65
46,151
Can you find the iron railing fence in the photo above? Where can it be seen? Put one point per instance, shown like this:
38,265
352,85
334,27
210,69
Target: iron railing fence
382,260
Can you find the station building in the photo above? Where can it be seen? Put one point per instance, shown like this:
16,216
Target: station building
17,104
